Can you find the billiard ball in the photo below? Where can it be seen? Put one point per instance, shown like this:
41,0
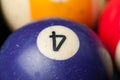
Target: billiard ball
21,12
109,30
54,49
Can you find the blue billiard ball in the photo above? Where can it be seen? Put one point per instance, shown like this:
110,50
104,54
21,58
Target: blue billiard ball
54,49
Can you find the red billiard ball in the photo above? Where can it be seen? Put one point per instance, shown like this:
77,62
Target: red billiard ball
109,30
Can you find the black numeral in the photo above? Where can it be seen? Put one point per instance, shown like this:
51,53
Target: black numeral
54,36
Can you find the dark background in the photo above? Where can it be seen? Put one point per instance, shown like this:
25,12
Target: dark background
4,31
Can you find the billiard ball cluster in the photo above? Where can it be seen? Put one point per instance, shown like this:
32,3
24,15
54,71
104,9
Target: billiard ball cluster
50,40
21,12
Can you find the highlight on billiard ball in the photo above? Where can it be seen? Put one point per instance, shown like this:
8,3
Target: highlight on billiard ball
109,30
54,49
21,12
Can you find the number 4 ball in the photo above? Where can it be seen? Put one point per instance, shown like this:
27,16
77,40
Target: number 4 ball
54,49
21,12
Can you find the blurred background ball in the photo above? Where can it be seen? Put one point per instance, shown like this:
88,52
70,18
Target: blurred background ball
109,30
21,12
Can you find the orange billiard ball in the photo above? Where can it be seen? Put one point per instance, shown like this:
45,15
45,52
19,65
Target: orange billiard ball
21,12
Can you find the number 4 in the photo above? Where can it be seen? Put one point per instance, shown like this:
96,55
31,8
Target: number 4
54,36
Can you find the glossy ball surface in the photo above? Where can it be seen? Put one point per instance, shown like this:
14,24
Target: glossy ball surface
54,49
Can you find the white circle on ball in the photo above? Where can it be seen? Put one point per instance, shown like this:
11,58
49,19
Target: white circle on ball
58,42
